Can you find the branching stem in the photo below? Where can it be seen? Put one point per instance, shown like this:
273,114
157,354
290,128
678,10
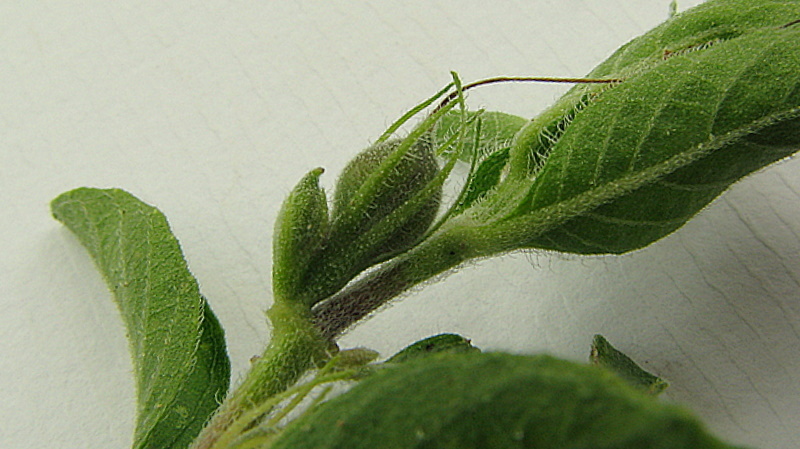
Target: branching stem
294,348
443,251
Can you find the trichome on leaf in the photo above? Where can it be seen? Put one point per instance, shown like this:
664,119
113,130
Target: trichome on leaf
683,112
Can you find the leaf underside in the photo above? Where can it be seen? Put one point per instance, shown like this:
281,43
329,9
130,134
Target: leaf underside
708,97
494,400
178,347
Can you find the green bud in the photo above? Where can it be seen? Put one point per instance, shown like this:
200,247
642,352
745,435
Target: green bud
299,232
371,187
385,200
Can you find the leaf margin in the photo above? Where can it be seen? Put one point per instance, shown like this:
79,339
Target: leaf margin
86,212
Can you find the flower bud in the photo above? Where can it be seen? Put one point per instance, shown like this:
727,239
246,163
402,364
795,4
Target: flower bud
299,232
385,200
368,191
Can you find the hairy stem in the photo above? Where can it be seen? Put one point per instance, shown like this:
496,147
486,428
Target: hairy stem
295,347
443,251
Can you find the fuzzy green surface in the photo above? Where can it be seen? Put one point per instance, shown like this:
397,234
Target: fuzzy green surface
708,97
711,23
486,149
178,348
612,168
398,184
300,229
385,200
696,29
497,130
495,401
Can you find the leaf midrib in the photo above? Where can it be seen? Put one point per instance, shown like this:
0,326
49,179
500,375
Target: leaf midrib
533,224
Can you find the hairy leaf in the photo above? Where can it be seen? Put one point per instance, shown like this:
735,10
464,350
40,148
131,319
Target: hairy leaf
496,132
178,348
486,145
485,401
707,98
605,355
484,178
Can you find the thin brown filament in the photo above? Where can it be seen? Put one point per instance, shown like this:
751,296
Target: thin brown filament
795,22
522,79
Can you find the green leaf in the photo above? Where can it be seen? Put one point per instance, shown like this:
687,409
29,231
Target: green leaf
605,355
483,179
178,348
488,151
704,99
707,98
485,401
497,132
450,343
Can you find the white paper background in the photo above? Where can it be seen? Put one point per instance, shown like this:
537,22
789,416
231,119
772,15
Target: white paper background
212,111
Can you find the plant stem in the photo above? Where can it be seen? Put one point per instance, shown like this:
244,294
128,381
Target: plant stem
295,347
446,249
